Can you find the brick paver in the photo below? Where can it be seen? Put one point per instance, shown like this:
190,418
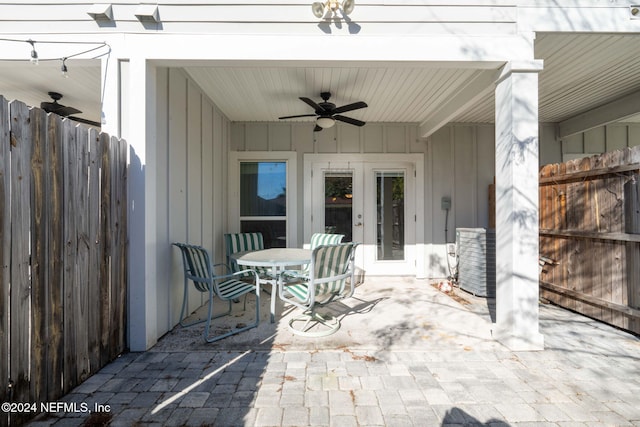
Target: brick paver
580,379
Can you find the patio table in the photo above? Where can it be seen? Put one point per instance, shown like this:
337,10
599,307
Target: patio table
278,259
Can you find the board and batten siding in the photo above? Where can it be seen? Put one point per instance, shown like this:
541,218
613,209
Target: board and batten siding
193,141
602,139
459,163
192,147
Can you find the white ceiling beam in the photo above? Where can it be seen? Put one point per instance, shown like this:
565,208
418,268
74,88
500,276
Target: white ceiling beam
614,111
476,89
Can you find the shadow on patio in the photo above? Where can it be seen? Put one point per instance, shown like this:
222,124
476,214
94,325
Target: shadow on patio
385,314
406,355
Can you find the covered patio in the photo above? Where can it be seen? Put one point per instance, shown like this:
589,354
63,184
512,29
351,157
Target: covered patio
386,366
467,93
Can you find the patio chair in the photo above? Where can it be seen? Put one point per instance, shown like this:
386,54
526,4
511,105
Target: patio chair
243,242
331,278
227,287
317,239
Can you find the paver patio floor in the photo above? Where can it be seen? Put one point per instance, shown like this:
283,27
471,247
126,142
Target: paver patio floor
406,355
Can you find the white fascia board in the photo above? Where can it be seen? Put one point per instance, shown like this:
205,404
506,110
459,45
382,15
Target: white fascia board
582,16
491,51
614,111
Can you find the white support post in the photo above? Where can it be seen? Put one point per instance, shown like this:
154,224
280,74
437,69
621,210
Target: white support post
516,99
142,205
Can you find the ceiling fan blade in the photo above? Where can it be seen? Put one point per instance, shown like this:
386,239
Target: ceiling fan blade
317,128
299,115
59,109
67,111
311,103
350,107
349,120
85,121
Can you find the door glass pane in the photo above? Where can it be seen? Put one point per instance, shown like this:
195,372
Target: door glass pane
338,204
390,212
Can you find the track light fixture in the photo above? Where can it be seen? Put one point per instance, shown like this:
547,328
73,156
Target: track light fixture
321,8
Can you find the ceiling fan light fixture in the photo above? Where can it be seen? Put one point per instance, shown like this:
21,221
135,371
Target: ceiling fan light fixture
325,122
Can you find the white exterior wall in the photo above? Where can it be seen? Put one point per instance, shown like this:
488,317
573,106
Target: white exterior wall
192,146
600,140
459,163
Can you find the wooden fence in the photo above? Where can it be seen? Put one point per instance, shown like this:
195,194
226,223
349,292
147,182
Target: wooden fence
63,253
595,267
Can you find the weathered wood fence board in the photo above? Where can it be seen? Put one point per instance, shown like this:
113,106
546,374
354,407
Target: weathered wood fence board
582,228
63,249
5,247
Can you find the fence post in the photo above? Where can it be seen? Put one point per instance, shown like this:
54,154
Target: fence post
632,226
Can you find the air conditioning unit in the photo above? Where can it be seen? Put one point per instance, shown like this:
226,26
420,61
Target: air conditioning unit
477,261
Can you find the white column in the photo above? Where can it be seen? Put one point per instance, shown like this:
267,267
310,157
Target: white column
142,302
516,169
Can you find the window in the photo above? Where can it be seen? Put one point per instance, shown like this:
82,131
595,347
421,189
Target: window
263,200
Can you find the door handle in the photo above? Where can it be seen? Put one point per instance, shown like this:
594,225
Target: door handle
359,224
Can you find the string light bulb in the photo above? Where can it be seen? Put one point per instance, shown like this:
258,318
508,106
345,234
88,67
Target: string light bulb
34,54
63,69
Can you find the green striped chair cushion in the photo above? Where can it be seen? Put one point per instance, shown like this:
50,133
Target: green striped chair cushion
317,239
198,266
321,239
242,242
326,262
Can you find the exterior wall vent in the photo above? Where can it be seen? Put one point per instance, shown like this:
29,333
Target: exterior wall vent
477,261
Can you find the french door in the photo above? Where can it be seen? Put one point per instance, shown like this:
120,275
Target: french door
370,201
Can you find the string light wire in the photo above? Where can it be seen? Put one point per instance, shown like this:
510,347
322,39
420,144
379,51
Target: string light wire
35,59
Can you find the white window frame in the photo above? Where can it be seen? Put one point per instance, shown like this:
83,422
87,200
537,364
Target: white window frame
290,158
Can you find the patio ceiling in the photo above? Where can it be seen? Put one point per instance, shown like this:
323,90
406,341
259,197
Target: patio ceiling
581,72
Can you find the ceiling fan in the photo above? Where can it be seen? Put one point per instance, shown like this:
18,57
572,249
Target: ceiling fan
327,113
64,111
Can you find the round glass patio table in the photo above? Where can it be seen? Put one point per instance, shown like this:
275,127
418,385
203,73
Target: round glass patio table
277,259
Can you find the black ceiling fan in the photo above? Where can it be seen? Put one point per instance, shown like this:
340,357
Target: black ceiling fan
64,111
327,113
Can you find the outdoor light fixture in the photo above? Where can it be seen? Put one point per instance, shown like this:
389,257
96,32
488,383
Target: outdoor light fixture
63,68
148,13
101,12
34,54
320,9
325,122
